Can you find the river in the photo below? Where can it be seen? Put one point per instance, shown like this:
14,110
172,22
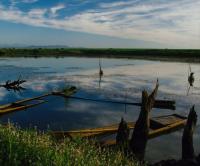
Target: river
123,80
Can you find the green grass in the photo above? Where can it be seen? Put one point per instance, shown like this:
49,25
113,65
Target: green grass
26,147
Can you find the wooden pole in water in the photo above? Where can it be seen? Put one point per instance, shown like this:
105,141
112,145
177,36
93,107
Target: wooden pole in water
122,138
141,131
187,139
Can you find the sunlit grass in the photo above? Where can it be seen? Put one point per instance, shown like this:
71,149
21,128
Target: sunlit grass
20,147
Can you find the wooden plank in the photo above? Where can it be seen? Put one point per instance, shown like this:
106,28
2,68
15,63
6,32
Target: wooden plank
168,119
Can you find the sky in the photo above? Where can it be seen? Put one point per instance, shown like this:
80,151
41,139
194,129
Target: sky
101,23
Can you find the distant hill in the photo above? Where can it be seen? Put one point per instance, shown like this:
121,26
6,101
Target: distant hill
49,46
32,46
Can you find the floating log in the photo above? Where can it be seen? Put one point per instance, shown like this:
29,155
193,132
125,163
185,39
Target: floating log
158,126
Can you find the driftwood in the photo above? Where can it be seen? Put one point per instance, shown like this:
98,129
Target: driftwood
187,139
140,134
14,85
122,138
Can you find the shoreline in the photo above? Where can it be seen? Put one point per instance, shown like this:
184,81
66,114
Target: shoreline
171,55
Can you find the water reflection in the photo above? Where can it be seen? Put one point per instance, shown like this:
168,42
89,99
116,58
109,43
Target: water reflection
121,81
100,72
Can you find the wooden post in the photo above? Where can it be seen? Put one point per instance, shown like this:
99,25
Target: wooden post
140,134
122,138
187,139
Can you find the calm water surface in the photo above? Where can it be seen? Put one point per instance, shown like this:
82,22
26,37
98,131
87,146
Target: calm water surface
123,80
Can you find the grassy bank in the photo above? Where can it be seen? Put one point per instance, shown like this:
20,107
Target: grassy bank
20,147
190,55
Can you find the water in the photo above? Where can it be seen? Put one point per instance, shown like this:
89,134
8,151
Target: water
123,80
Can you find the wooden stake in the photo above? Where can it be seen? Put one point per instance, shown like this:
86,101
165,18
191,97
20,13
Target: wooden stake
140,134
187,139
122,138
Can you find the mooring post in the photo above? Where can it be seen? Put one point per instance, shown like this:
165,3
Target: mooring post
140,134
187,138
122,138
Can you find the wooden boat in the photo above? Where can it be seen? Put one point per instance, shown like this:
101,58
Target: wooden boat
19,105
31,102
158,126
112,129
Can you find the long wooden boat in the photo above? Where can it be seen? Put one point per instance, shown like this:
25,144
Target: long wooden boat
19,105
111,129
31,102
158,126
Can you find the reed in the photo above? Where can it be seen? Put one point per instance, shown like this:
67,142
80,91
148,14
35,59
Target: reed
30,147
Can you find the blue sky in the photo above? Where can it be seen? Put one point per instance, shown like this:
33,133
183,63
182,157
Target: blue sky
101,23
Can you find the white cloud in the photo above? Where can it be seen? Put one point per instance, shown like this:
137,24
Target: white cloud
55,9
15,2
170,22
29,1
37,13
117,4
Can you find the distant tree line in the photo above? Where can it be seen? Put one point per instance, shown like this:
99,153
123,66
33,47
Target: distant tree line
107,52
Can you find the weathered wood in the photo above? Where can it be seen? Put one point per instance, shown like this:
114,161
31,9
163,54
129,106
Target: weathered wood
159,125
14,85
141,131
23,101
19,107
122,138
191,79
66,93
92,132
187,139
165,104
100,69
24,104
